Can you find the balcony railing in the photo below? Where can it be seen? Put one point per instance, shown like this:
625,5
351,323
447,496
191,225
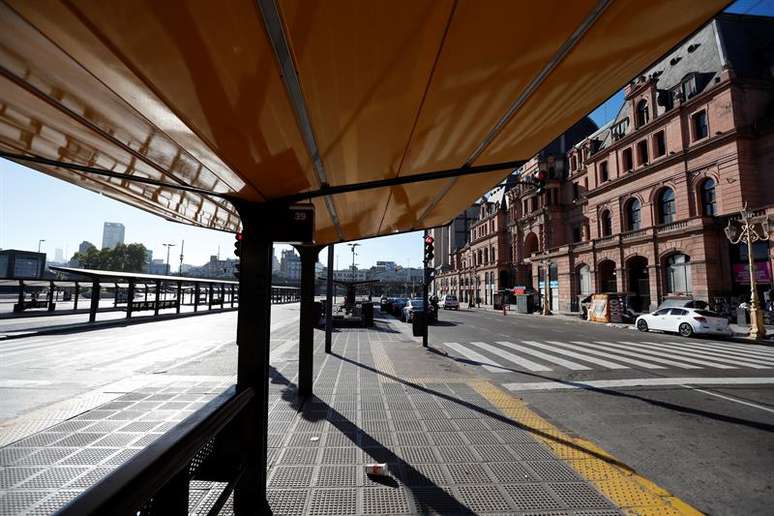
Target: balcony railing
633,235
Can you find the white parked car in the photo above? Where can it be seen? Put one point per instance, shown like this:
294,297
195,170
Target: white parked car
449,303
685,321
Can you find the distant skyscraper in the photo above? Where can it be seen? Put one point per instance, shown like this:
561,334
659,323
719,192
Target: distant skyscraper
85,246
112,235
59,255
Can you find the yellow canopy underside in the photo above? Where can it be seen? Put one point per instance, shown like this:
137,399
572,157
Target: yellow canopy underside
191,92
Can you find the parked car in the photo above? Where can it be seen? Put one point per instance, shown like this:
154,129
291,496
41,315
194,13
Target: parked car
682,302
417,305
396,308
685,321
450,302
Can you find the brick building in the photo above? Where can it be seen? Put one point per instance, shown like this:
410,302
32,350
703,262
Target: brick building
640,204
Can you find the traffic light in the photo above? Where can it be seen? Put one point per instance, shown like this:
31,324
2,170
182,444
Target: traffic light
429,275
429,249
539,179
236,270
238,244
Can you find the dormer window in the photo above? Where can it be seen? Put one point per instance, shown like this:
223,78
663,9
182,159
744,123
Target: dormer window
619,130
642,113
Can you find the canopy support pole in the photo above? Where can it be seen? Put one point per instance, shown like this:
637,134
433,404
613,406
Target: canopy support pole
95,289
129,299
308,255
77,295
253,333
329,302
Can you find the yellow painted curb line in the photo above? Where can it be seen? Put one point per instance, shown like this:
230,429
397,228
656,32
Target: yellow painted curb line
623,486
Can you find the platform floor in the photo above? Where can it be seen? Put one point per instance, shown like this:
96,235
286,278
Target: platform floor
454,443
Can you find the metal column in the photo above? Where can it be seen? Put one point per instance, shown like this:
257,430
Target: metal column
329,302
95,288
156,302
179,293
306,320
222,295
209,296
253,332
77,295
196,296
129,299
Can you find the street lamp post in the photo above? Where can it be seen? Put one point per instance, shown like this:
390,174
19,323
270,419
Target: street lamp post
40,242
353,246
750,229
168,246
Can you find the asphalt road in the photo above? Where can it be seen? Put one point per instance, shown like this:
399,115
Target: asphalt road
696,416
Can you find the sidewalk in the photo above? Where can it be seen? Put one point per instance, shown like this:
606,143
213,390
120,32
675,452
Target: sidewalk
454,443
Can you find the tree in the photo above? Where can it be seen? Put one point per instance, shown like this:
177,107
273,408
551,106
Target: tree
122,258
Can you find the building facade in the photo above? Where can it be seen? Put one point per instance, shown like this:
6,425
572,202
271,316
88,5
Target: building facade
639,205
22,264
112,235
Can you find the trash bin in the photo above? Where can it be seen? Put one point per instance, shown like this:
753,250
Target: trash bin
742,316
367,313
418,324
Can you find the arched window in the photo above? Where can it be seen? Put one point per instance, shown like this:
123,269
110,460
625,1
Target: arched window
606,223
678,274
486,255
666,206
708,200
633,218
642,113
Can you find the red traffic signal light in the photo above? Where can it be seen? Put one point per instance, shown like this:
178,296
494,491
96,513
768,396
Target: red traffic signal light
429,240
238,244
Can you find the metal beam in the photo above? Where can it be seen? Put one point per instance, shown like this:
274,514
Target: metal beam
329,302
400,180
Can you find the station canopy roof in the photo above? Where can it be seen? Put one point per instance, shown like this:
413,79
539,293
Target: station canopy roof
264,99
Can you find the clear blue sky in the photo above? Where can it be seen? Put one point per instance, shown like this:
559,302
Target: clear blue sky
34,206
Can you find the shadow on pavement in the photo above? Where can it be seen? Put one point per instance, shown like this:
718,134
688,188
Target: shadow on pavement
610,392
428,494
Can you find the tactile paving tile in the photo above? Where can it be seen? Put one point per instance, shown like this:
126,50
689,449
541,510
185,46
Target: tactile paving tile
553,471
468,474
531,497
376,426
117,439
89,456
144,440
138,426
121,457
424,475
452,454
436,500
385,500
338,476
333,501
494,452
305,440
18,502
54,478
53,502
484,499
41,439
441,425
411,439
10,477
307,456
471,424
418,455
291,477
90,478
336,438
376,439
577,495
531,451
408,425
510,472
381,454
344,455
46,456
474,437
11,454
70,426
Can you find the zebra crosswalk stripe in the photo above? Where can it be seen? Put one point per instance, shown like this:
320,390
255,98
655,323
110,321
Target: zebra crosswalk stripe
749,349
545,356
641,354
722,351
523,362
680,351
659,352
476,357
585,358
580,346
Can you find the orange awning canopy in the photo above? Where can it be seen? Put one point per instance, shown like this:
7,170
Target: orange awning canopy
270,98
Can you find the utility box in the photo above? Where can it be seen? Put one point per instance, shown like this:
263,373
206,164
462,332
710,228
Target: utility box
525,303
